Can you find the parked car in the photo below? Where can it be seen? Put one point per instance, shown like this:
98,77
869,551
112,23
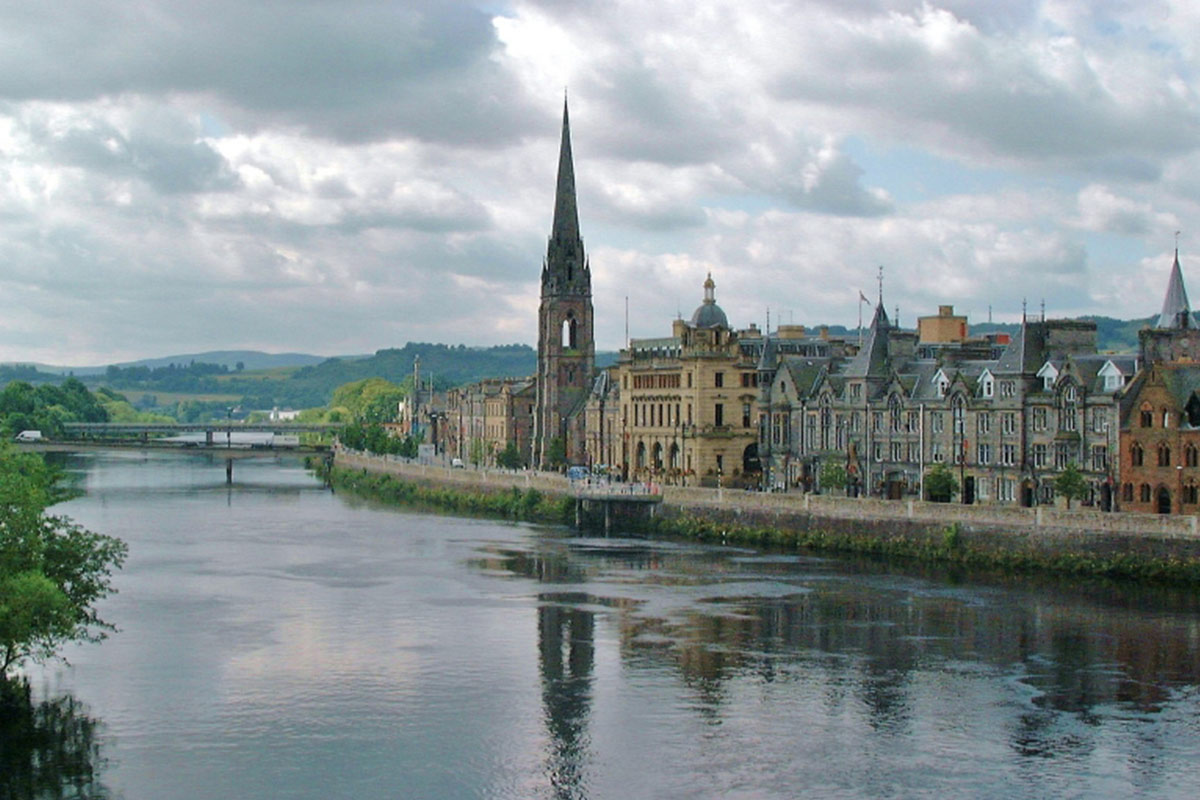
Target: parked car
457,463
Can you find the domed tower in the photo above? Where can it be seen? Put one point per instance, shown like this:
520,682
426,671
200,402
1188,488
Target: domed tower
566,349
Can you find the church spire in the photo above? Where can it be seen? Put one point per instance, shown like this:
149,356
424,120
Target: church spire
566,216
1176,313
566,270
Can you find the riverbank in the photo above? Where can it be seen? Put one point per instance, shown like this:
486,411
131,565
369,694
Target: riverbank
879,528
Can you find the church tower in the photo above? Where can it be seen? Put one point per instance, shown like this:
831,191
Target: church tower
566,350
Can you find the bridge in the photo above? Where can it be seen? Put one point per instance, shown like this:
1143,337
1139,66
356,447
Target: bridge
125,435
211,426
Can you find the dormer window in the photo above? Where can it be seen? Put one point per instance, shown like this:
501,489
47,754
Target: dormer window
987,385
1049,375
941,383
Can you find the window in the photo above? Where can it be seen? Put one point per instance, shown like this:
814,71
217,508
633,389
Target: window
935,422
959,414
897,451
1062,455
935,452
914,452
1008,454
984,423
1005,490
1098,420
988,386
1039,419
1137,456
1190,455
1008,388
895,414
1099,457
1190,493
877,451
877,422
1147,418
914,422
1008,423
1144,493
1164,455
689,380
856,391
745,415
983,489
1166,418
1046,494
719,414
718,379
855,422
1039,455
985,454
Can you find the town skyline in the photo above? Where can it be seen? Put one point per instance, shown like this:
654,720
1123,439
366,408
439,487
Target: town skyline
385,173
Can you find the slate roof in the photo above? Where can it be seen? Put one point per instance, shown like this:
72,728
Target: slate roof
1176,313
872,359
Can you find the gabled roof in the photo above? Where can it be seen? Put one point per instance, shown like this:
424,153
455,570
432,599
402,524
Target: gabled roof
805,373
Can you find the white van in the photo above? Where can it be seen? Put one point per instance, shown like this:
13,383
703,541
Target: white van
29,436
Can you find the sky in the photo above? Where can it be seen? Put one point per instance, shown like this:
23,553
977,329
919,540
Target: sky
340,176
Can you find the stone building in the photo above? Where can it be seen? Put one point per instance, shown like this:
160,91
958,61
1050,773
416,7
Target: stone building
1005,416
481,419
1160,414
566,348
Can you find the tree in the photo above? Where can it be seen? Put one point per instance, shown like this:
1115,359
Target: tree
52,571
556,452
833,475
940,484
1070,483
510,457
477,451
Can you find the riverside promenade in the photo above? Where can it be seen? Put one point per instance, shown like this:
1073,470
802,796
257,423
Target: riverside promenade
1042,528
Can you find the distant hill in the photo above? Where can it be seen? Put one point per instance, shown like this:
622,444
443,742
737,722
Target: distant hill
250,360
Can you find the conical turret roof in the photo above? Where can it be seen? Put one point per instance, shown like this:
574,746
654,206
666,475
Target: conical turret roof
1176,313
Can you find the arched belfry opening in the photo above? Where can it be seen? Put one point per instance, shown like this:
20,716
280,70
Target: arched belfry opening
570,332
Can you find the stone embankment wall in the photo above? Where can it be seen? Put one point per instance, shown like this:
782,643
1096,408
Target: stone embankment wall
1044,529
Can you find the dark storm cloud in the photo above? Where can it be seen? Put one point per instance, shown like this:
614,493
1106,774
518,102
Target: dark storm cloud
351,70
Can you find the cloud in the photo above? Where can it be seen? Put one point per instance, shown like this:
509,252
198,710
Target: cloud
357,70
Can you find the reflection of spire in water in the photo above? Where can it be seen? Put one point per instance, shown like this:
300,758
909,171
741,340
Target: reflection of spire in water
565,639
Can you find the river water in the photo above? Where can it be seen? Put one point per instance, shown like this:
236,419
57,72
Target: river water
278,641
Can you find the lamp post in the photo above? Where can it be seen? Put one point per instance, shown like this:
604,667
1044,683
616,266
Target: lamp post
229,427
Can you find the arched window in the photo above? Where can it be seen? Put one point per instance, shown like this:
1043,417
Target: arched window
1136,455
569,332
1164,455
640,456
1191,456
1144,493
657,458
826,421
1190,492
1127,493
1147,418
895,413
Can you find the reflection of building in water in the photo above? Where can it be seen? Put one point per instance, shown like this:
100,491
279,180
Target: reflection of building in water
566,656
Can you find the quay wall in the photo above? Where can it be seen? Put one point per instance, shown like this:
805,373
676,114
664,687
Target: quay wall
1043,530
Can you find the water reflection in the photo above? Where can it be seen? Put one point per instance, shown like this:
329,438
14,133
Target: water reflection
48,748
878,645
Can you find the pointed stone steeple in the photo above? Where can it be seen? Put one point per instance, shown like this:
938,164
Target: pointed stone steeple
1176,313
566,270
566,346
871,361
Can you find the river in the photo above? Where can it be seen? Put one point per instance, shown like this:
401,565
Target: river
280,641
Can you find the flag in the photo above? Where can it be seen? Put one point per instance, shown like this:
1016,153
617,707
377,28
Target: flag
862,298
